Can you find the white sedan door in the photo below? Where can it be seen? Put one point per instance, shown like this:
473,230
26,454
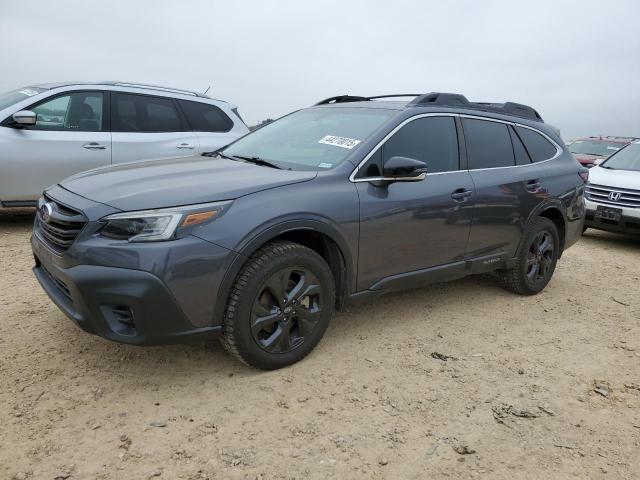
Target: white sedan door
148,127
69,137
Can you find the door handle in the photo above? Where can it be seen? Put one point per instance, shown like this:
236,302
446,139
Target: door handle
186,146
533,186
461,194
94,146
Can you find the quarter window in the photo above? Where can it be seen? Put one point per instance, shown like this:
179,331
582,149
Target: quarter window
522,157
206,118
142,113
488,143
539,148
79,112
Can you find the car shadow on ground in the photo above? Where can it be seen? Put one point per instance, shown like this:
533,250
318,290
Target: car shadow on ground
198,361
16,217
612,240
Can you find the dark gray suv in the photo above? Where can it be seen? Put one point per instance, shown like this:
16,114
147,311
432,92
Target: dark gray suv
354,197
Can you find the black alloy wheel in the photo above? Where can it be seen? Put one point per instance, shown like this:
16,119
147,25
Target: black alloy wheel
286,310
280,306
540,257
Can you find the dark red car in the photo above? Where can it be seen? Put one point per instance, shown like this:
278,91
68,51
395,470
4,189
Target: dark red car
589,149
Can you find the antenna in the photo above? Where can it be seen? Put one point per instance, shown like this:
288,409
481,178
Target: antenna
208,88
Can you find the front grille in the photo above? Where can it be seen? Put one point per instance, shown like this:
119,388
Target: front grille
58,225
601,194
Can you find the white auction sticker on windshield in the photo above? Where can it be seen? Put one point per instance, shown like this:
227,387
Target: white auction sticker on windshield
343,142
29,92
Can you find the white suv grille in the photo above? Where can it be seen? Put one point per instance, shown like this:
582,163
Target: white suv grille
620,197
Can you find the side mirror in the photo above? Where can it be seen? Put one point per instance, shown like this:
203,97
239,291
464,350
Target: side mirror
25,118
404,169
598,161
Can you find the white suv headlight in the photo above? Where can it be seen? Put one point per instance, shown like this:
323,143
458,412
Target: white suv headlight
161,224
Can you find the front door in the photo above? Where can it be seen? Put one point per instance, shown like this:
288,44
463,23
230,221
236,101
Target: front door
70,136
410,226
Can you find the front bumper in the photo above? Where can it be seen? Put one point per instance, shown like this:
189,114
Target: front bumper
125,306
629,221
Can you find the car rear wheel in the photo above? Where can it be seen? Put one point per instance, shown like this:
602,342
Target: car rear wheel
280,306
536,259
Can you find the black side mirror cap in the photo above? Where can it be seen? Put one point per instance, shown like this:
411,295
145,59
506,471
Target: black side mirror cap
404,169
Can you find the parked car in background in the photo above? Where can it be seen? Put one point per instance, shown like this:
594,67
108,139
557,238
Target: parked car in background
591,150
613,192
49,132
346,200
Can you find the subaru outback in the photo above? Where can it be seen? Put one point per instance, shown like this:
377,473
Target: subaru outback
260,242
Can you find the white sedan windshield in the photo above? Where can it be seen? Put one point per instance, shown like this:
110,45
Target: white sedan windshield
10,98
626,159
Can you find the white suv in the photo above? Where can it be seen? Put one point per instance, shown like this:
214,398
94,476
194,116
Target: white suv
49,132
613,192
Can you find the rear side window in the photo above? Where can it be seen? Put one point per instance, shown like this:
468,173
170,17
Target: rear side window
142,113
206,118
488,144
434,140
539,148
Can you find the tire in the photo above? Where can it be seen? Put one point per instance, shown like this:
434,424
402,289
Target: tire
523,278
267,332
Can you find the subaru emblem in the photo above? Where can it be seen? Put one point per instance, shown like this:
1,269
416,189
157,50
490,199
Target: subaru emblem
45,212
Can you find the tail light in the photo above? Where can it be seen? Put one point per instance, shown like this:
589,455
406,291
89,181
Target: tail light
584,174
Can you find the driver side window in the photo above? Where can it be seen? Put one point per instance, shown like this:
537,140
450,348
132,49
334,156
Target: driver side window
78,112
433,140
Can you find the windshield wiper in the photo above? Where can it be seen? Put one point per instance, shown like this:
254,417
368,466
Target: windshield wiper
258,161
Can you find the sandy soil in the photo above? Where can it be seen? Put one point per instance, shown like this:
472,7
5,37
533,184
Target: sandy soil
518,400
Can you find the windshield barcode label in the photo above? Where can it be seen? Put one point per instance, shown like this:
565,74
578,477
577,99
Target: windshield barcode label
343,142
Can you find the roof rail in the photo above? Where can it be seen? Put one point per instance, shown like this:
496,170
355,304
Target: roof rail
154,87
446,100
457,100
356,98
341,99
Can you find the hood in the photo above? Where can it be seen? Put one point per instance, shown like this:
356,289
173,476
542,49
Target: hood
628,179
172,182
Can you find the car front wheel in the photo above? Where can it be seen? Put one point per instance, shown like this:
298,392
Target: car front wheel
536,259
280,306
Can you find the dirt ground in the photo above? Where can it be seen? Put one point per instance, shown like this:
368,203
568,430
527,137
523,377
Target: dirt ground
517,401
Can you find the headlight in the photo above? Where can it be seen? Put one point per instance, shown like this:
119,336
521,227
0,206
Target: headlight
162,224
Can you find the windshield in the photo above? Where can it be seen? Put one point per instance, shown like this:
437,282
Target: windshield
10,98
595,147
626,159
313,139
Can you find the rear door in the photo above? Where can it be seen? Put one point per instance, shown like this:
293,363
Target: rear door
508,185
147,127
212,125
410,226
70,136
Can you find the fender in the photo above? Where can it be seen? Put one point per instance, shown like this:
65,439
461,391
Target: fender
550,204
258,237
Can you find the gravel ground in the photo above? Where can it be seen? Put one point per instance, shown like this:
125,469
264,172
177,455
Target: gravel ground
539,387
